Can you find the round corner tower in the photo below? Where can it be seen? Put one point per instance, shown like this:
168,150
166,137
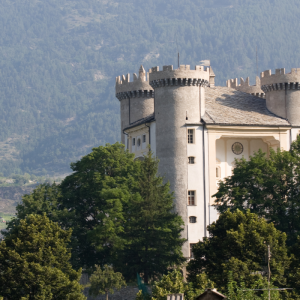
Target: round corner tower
179,101
136,99
283,93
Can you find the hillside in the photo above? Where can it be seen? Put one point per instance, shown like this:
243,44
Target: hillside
59,60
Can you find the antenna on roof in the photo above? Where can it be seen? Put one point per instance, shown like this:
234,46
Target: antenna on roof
177,47
256,63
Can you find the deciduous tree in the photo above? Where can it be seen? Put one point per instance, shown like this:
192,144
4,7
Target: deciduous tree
268,186
105,281
237,243
95,196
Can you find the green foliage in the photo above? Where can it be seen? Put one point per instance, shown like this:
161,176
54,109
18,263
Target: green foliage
105,281
239,291
152,232
59,58
238,244
42,200
173,283
34,262
294,270
120,211
95,195
268,186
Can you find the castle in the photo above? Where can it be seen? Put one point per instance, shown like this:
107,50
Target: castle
197,129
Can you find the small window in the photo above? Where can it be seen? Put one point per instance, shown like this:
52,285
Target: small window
191,136
127,143
144,138
139,142
191,250
218,172
133,142
191,197
191,160
193,219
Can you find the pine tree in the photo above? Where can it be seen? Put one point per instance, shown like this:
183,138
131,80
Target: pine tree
34,262
152,229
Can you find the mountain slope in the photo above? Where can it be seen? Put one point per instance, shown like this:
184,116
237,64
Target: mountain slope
59,60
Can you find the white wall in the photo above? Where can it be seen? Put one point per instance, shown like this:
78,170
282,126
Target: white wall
294,133
153,137
196,231
226,156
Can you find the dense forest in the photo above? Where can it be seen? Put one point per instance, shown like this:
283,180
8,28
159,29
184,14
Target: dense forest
59,60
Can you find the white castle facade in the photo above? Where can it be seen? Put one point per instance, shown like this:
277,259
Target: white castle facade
197,129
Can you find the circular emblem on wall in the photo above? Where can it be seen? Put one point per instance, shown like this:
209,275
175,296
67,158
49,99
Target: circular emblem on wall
237,148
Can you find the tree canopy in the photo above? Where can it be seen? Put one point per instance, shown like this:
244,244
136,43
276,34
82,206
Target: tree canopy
267,186
105,281
237,243
152,231
34,262
95,196
120,211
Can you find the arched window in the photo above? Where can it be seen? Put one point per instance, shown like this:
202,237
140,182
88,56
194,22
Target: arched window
139,142
193,219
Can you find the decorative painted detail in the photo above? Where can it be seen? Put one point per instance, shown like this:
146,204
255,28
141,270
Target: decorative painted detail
237,148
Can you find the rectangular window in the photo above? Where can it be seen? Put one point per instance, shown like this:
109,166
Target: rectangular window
191,160
191,250
127,143
191,136
144,138
218,172
133,142
191,198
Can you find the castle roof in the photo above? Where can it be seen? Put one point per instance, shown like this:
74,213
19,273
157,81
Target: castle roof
145,120
227,106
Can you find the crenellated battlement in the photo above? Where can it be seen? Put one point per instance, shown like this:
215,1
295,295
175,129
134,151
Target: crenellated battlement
282,93
139,87
181,76
245,86
280,80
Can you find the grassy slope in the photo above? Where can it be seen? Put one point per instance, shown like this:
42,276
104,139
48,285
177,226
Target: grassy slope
59,58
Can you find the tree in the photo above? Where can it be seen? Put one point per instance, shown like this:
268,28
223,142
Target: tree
105,281
120,211
239,291
294,270
238,243
42,200
95,196
34,262
173,283
268,186
152,229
